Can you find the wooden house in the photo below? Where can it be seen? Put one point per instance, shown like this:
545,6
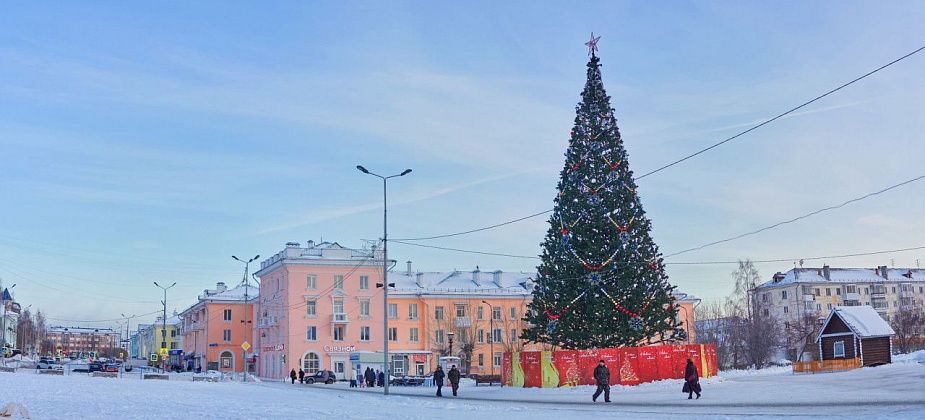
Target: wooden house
855,332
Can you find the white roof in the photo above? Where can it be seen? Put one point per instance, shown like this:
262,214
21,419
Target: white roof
462,282
847,275
863,321
235,294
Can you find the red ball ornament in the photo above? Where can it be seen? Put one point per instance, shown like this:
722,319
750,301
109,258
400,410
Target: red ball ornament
564,231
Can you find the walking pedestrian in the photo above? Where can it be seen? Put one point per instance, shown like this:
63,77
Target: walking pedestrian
292,375
382,378
602,376
453,376
691,380
369,377
353,378
438,380
301,376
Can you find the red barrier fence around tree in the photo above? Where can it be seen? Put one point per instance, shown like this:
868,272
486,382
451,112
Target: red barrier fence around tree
628,365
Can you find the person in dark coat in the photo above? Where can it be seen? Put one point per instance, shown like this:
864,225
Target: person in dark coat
369,377
453,376
602,376
301,376
691,380
292,375
381,377
438,380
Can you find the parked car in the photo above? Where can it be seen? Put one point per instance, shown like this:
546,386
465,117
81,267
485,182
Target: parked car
96,367
45,363
79,366
322,376
110,367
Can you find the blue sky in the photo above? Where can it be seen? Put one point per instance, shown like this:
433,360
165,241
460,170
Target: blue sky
146,142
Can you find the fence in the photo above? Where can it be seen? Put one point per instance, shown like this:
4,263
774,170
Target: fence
819,366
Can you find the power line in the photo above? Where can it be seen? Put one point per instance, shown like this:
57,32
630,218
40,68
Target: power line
861,254
781,115
474,230
666,166
86,321
812,213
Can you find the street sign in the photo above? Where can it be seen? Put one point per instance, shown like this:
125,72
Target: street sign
153,357
164,351
246,346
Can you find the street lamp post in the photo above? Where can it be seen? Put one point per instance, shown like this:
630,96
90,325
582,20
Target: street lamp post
385,272
449,337
246,287
164,325
491,341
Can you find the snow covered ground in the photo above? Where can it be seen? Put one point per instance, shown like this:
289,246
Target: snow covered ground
891,391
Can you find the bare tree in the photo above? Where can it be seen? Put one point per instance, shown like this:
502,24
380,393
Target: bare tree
800,334
714,328
754,333
909,325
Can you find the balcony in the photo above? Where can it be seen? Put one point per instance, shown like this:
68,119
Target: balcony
808,297
463,322
339,318
906,293
852,296
880,292
268,321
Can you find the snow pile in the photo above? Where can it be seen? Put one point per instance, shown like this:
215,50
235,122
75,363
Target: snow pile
914,357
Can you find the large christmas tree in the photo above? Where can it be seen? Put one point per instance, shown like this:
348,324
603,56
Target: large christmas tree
601,282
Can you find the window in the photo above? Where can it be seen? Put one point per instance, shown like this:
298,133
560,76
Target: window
837,290
311,333
173,345
310,307
393,334
839,349
866,291
438,336
785,309
339,367
364,282
513,335
513,313
894,289
339,333
311,282
497,359
764,297
364,333
851,289
496,313
460,311
413,311
828,292
816,290
765,312
783,294
311,363
173,333
480,313
818,307
338,305
226,335
413,335
338,282
393,311
364,307
481,336
438,312
496,336
481,360
226,315
829,306
225,359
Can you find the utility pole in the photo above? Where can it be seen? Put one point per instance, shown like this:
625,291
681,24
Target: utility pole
246,287
128,339
491,332
164,326
385,273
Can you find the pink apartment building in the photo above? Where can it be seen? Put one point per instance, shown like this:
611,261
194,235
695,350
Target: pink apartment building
319,308
214,328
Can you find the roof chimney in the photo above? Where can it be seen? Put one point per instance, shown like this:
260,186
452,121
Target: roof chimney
778,276
826,273
884,273
419,279
475,275
220,287
496,277
409,268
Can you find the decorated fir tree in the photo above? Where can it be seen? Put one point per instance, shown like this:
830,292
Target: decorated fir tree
601,282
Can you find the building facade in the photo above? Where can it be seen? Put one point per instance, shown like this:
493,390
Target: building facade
320,309
149,338
82,342
214,328
9,318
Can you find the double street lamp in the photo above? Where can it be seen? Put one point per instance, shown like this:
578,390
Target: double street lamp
246,287
491,336
385,272
164,325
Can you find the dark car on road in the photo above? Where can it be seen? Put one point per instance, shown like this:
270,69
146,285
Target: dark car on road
322,376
